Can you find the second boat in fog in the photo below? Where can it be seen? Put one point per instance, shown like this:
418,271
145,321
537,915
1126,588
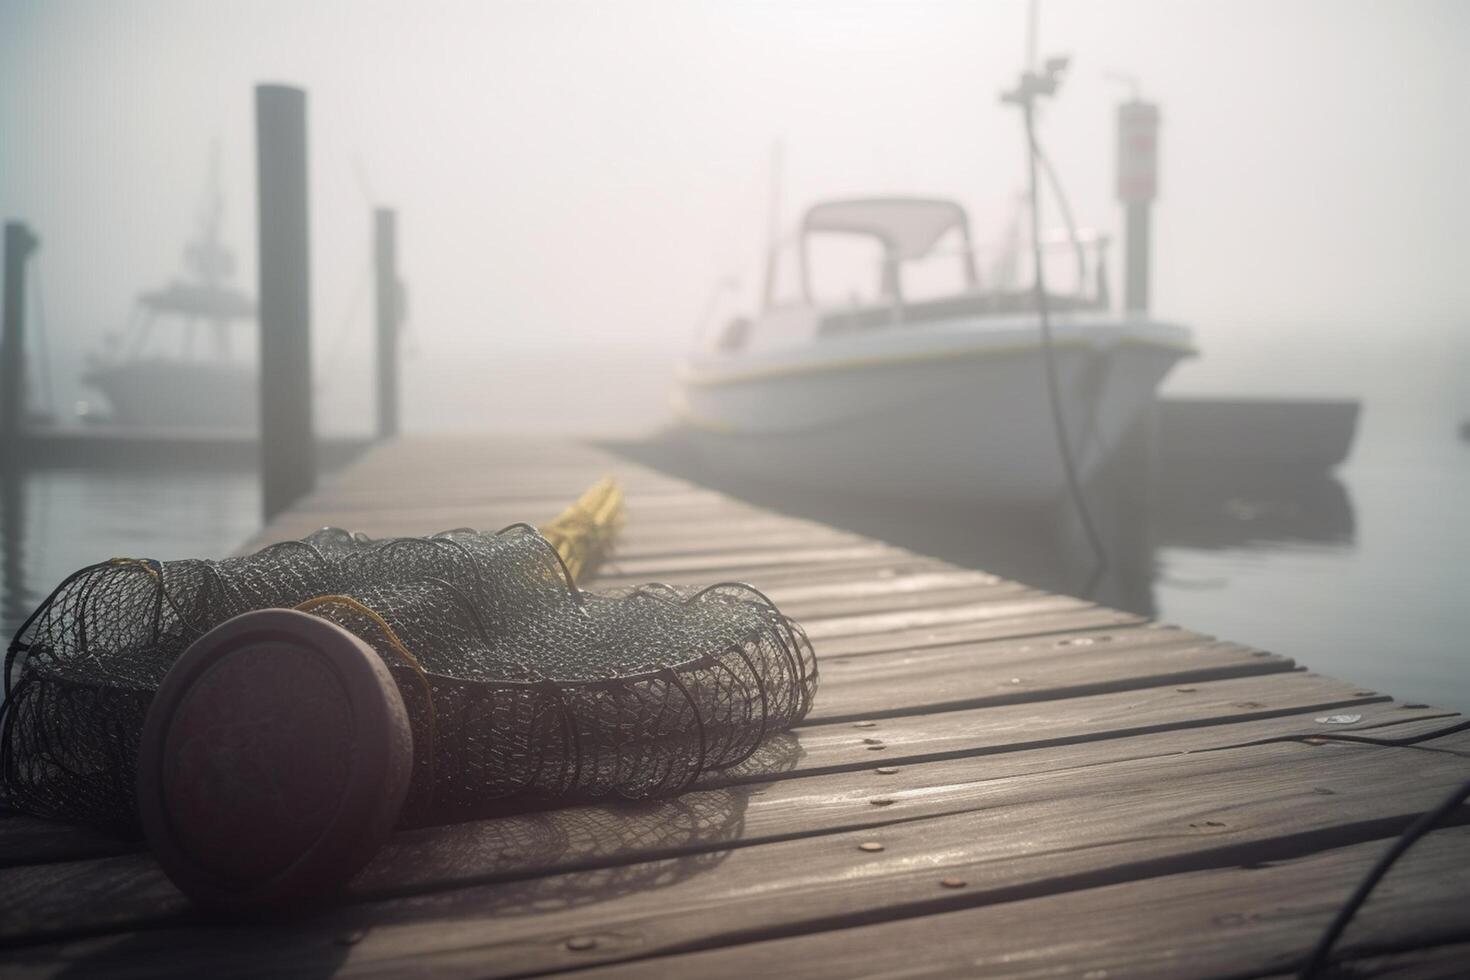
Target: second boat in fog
161,374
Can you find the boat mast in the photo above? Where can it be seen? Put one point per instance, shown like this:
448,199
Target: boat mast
773,222
206,257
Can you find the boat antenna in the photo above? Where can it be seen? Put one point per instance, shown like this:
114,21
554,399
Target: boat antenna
207,257
1032,87
1033,13
773,220
1033,33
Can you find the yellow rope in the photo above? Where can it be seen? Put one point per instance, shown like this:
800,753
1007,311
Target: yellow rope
134,561
583,533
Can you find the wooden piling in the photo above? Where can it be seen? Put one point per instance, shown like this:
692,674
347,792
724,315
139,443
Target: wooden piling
385,261
1138,182
19,243
1136,256
287,438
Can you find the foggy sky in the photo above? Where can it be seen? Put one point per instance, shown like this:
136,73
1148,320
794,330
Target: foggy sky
575,176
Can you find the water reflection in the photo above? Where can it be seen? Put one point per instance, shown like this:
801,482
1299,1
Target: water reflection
55,519
1228,506
1139,505
69,502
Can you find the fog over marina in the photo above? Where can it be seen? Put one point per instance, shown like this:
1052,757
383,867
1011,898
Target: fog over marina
579,176
582,187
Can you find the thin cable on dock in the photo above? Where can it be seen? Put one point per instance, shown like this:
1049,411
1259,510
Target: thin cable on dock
1318,958
1025,96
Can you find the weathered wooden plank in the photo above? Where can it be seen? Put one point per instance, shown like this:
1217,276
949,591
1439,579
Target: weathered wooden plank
885,586
717,515
1063,783
907,739
1448,961
1029,623
1236,921
912,681
641,542
1042,833
1008,604
735,562
808,611
801,574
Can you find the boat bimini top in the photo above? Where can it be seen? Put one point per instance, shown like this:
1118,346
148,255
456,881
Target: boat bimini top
907,227
910,229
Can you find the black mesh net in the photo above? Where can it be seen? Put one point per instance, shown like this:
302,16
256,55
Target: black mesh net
518,684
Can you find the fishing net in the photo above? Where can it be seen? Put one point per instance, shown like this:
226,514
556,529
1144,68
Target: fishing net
519,686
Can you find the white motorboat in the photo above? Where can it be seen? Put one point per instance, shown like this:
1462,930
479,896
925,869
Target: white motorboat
934,396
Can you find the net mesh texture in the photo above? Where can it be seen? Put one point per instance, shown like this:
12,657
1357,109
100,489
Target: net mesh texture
519,686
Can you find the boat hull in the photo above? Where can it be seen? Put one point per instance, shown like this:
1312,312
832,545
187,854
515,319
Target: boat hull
973,425
160,394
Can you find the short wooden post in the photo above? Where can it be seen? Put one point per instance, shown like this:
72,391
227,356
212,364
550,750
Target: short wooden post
19,244
1138,182
287,436
385,260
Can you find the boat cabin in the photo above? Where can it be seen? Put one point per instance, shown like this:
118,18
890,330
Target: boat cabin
867,263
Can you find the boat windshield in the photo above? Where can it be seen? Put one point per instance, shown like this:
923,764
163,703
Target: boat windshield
928,268
904,229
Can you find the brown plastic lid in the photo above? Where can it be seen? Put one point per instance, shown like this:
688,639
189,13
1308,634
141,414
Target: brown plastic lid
274,761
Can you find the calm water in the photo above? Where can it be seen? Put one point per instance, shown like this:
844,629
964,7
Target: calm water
1360,574
56,521
1382,602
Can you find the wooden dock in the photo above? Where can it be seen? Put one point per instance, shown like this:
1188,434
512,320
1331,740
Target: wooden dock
994,781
